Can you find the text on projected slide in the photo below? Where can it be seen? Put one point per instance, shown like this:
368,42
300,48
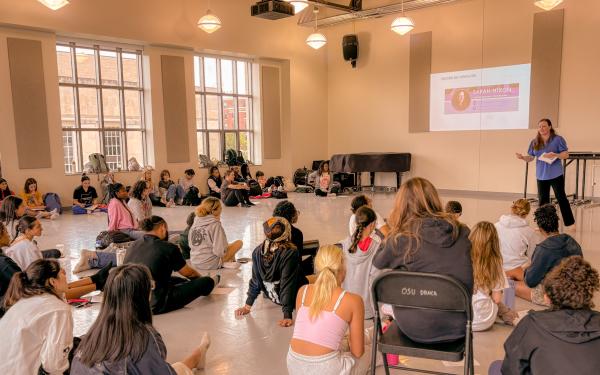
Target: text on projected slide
486,99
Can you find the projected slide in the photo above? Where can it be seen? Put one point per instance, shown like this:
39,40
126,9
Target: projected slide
486,99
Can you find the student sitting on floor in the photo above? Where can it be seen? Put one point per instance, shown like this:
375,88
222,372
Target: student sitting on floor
517,239
4,190
276,270
546,255
163,258
84,198
23,248
234,193
423,238
171,192
209,248
214,182
324,184
489,278
154,195
139,203
37,328
565,339
11,210
326,312
454,208
359,251
363,200
187,181
266,185
34,200
123,340
119,216
184,238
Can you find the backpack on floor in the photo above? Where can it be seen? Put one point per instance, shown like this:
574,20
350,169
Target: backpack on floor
52,202
231,157
279,194
98,163
105,238
192,197
255,189
301,176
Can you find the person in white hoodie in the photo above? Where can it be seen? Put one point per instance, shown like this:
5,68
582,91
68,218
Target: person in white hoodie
209,248
359,250
517,239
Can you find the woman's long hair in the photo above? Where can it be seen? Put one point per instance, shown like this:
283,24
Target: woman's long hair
8,212
209,206
34,281
138,190
6,192
30,181
417,200
364,216
245,172
322,167
486,257
329,262
25,223
539,142
121,329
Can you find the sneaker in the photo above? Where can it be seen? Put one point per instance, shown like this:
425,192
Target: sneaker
250,204
217,279
54,215
84,260
332,195
54,211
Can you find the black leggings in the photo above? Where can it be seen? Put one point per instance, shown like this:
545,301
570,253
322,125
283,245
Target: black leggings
236,196
558,185
183,291
51,254
156,201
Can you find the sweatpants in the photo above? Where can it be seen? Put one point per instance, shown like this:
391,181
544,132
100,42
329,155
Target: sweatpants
236,196
182,291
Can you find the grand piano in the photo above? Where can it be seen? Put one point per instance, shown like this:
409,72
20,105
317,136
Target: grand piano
372,162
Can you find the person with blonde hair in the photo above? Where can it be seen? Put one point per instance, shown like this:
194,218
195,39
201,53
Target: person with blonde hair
209,248
325,313
424,238
517,239
489,278
276,270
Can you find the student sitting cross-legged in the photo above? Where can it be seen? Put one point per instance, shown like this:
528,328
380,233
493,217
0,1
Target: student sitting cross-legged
85,198
123,340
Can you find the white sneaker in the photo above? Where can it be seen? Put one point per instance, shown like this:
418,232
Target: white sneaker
83,264
54,215
54,211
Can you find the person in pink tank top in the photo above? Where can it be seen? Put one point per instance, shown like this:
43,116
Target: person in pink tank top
329,334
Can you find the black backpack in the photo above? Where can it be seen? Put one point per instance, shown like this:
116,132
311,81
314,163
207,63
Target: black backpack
301,176
255,188
192,197
105,238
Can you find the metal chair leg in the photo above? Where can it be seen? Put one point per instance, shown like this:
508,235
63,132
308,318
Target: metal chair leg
374,347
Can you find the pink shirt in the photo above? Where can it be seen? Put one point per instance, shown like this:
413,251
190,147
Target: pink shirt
324,181
119,216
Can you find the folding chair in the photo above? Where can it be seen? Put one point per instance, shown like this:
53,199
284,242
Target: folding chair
421,291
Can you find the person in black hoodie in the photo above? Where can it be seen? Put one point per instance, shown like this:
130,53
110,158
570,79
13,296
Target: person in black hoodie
423,238
275,270
546,255
565,339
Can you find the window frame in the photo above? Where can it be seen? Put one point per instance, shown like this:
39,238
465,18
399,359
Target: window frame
220,94
100,87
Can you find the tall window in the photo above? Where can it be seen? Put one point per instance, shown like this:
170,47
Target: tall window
101,104
223,106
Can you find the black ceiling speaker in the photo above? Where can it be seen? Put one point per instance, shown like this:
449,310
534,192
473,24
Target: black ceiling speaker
350,48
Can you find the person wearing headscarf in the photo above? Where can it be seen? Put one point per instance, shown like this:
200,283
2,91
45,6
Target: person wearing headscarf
276,270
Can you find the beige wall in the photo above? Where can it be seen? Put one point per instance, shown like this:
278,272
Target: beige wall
168,27
368,106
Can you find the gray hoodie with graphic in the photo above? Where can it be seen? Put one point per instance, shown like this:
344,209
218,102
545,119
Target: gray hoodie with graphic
208,243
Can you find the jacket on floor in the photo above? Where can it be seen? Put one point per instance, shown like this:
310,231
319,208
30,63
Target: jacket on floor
554,342
208,242
548,254
279,279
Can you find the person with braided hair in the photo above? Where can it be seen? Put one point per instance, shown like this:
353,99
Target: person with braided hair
276,270
359,251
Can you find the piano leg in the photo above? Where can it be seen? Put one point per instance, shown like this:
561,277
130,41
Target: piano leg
372,180
398,180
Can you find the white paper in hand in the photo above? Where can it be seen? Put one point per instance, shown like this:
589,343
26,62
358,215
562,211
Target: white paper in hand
546,159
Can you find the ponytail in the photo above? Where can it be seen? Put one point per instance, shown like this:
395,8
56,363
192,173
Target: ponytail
32,282
208,206
329,262
356,238
364,217
25,223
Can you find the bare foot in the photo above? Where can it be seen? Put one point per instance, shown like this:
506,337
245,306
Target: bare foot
201,350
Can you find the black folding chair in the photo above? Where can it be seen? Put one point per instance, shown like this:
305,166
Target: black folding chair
421,291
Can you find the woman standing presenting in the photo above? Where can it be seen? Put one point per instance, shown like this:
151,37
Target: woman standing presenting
549,145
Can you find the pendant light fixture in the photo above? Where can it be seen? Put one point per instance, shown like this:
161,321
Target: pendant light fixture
209,22
403,24
547,4
316,40
54,4
299,5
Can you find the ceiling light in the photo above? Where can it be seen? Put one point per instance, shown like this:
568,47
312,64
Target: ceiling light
54,4
547,4
209,22
403,24
316,40
299,5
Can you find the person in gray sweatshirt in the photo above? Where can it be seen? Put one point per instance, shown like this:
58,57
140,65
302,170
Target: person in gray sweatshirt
209,248
359,251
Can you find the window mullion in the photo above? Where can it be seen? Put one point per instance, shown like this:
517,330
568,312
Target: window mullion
99,99
77,111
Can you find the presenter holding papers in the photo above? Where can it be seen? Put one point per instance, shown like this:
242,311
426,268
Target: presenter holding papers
550,148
